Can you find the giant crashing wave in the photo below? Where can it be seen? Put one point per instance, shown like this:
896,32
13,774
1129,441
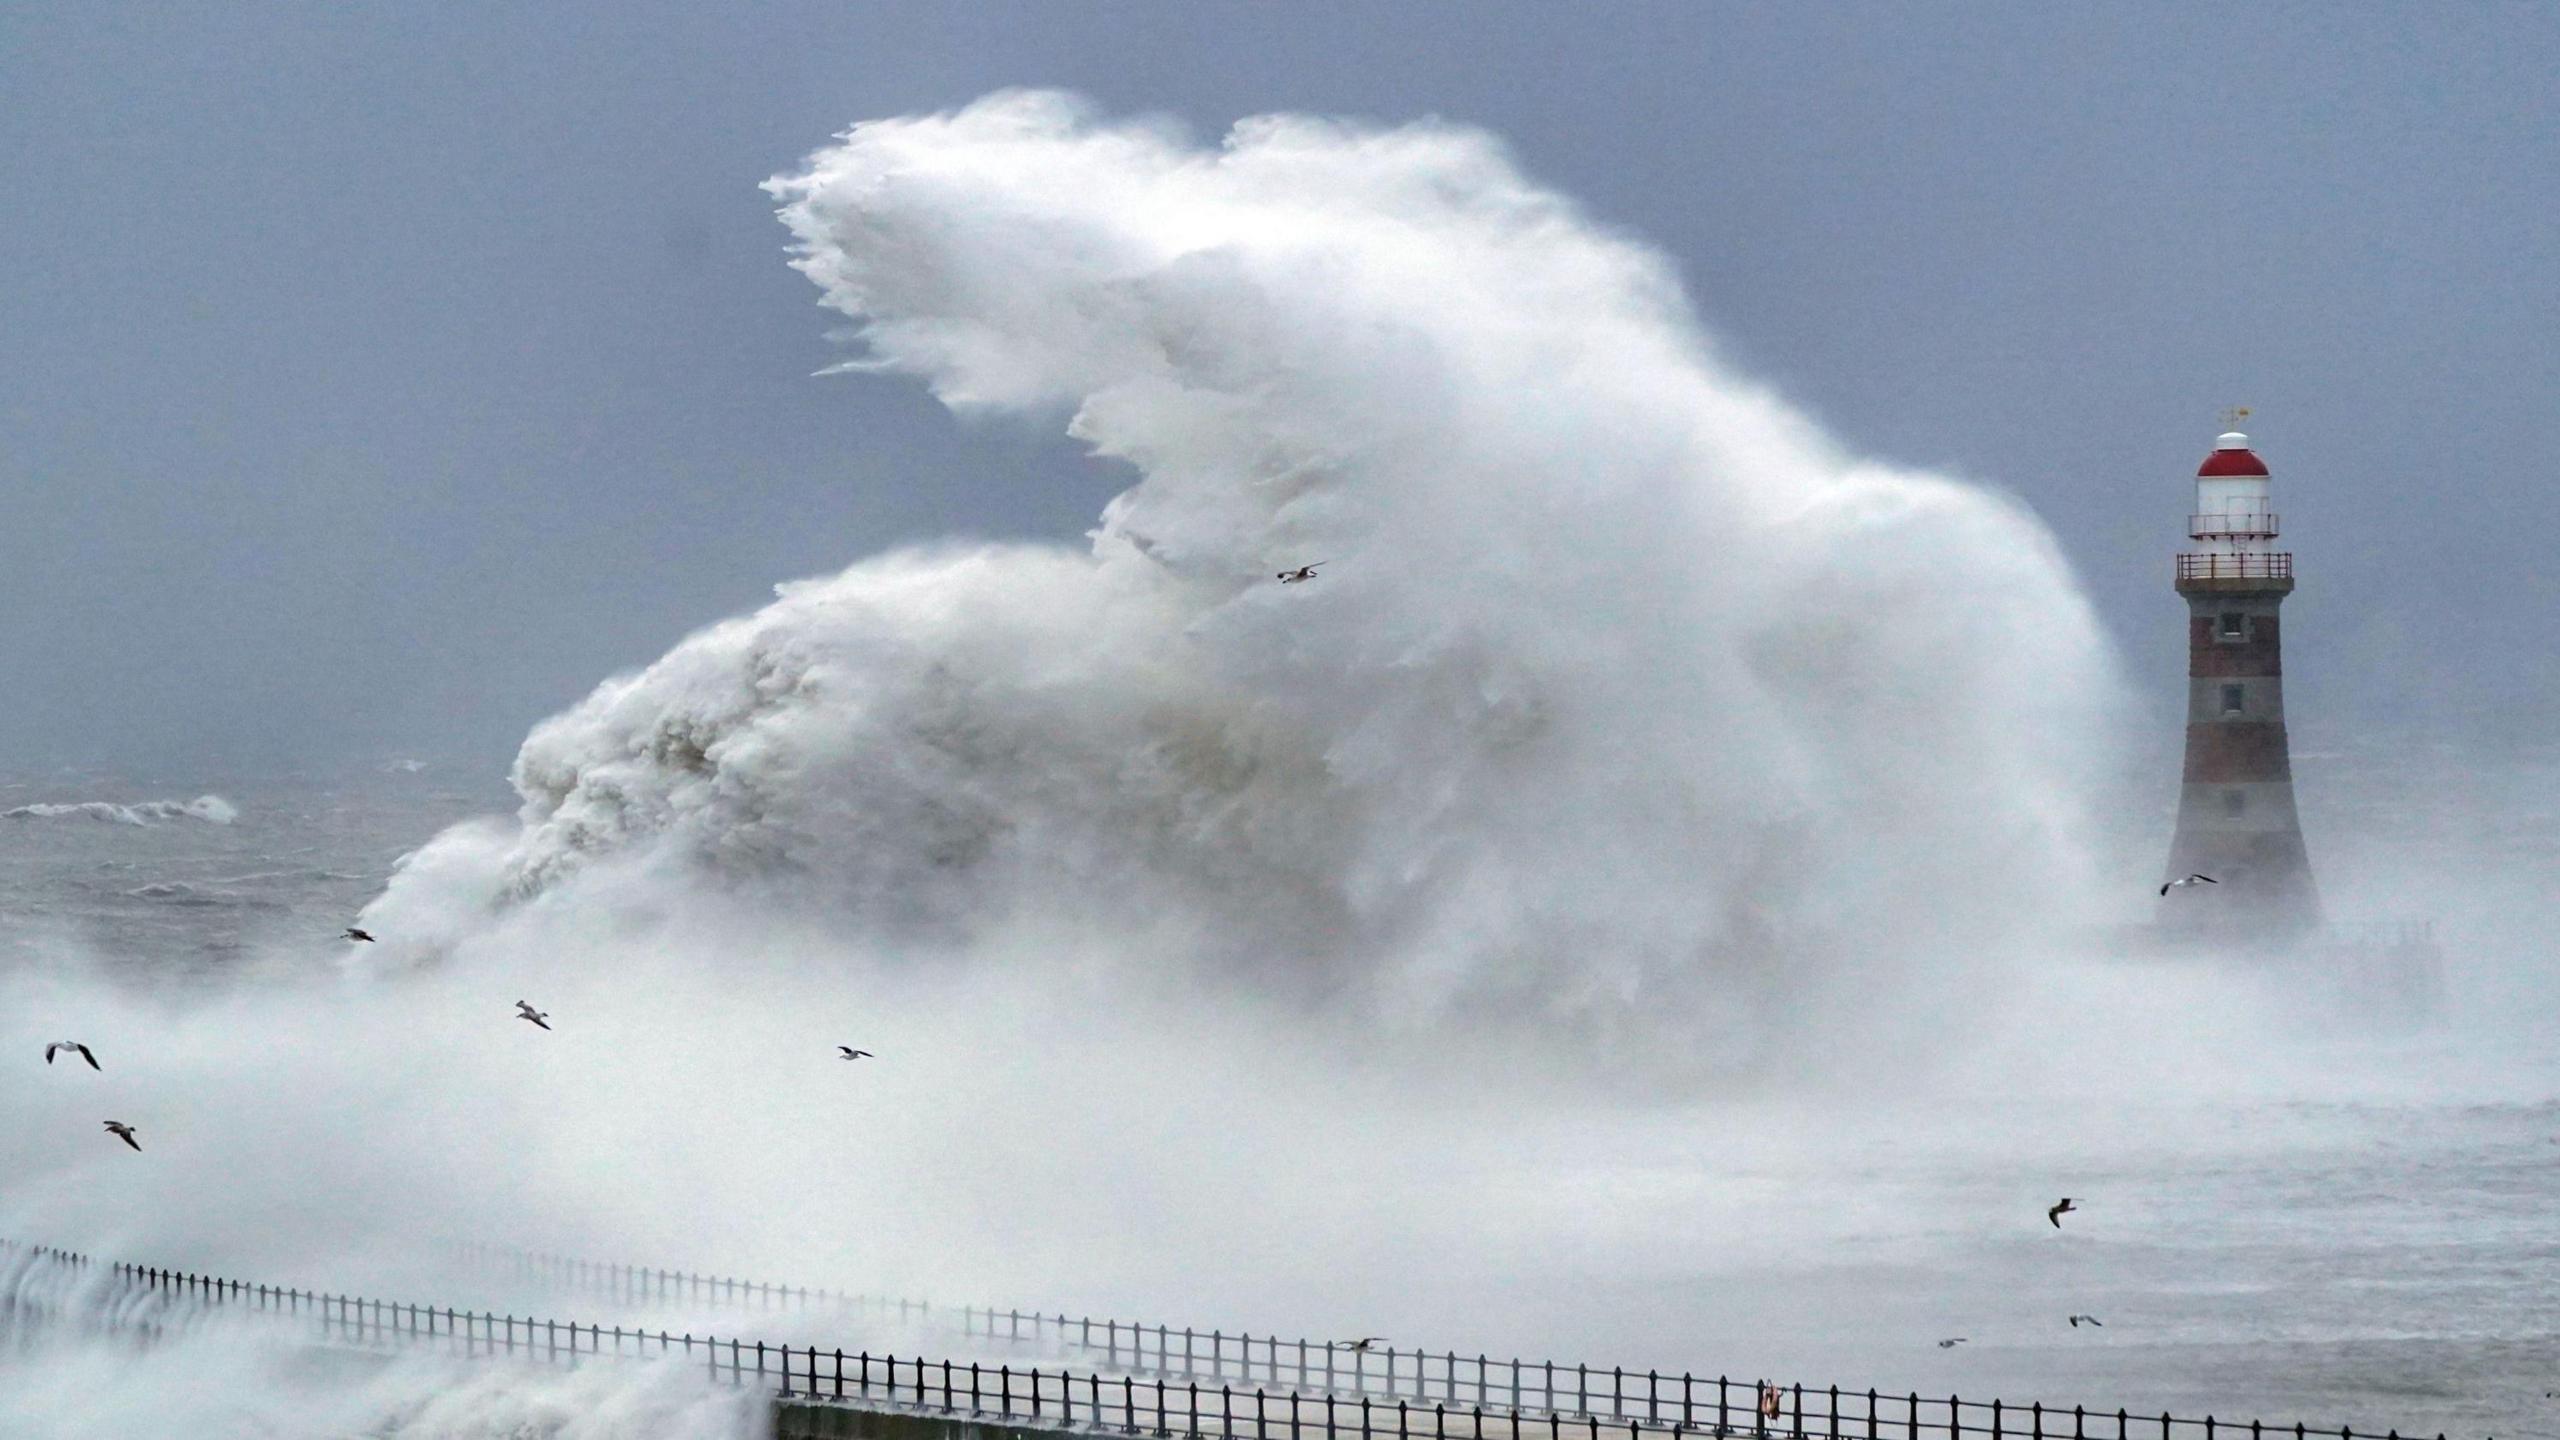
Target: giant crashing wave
1622,691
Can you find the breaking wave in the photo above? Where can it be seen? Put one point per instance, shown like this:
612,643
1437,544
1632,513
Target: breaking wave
211,809
1623,696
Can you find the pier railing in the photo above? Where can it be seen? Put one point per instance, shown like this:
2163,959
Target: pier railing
1171,1352
2382,934
1161,1408
644,1285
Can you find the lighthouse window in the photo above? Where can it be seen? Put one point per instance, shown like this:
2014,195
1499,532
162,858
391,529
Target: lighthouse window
2233,700
2234,625
2234,801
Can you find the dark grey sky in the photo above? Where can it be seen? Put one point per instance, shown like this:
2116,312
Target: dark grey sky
374,379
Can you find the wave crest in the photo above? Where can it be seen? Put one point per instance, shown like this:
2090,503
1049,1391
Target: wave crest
211,809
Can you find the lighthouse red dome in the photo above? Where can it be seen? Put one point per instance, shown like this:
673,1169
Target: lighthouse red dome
2231,456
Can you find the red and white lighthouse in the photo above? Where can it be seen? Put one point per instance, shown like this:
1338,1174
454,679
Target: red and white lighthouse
2236,815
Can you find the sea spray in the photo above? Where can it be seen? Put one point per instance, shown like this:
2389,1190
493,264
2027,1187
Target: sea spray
1625,702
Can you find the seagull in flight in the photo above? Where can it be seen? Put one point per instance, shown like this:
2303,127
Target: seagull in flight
2061,1208
353,933
73,1045
525,1011
852,1054
123,1132
1365,1342
1951,1342
1299,576
2079,1320
2190,880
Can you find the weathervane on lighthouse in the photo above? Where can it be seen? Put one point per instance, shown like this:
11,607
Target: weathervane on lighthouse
2236,816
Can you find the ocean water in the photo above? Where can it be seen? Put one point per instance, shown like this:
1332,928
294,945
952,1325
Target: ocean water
156,893
2349,1227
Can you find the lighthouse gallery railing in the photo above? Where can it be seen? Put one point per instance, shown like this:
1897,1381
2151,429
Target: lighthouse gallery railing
2193,565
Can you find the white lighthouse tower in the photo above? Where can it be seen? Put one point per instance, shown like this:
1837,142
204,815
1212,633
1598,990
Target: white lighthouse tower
2236,815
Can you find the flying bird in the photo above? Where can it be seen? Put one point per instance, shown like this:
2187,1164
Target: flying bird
2079,1320
355,934
1299,576
2061,1208
71,1045
2190,880
525,1011
1365,1342
852,1054
123,1132
1952,1342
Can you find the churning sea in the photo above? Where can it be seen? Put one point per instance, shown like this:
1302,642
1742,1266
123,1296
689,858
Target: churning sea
2380,1249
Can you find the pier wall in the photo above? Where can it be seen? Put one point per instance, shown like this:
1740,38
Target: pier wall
802,1420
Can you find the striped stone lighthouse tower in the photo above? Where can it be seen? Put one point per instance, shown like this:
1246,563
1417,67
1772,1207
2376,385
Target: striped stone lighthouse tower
2236,817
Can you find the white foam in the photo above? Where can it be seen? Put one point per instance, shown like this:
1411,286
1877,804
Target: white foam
1624,694
211,809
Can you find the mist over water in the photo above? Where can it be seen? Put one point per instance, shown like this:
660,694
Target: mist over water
1627,907
223,1381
